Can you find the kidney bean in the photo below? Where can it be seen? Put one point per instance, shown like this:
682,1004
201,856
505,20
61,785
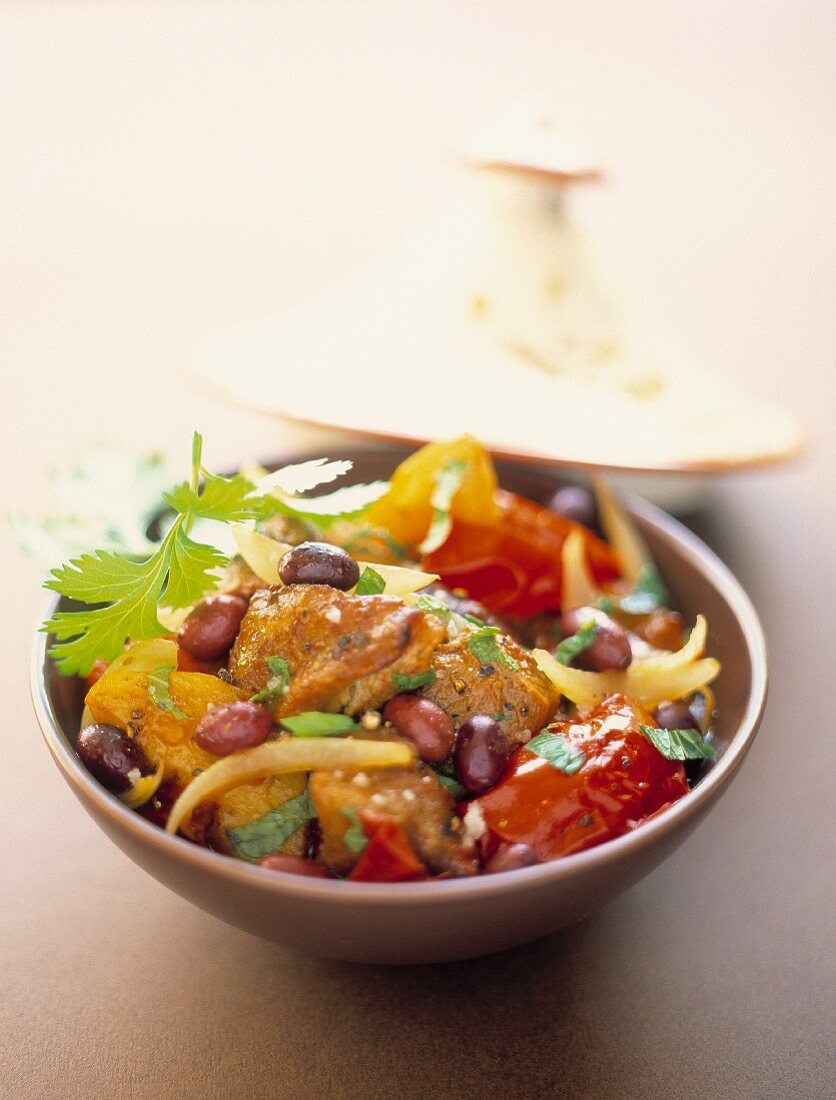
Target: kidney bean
675,715
233,726
508,857
575,503
294,865
110,755
481,753
212,627
319,563
424,722
610,649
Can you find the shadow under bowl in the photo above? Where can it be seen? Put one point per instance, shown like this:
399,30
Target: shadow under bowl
460,918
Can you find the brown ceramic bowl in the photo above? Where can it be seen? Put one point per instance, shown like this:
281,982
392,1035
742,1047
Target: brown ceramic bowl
454,919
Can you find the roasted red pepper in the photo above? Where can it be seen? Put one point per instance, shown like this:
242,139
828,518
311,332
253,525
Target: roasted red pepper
623,781
514,565
389,856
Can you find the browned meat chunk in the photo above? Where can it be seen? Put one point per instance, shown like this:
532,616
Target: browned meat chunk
414,798
465,686
342,650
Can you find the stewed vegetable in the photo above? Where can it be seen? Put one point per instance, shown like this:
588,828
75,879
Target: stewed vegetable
491,685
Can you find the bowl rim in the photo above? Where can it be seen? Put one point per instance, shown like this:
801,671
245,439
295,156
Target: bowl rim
687,544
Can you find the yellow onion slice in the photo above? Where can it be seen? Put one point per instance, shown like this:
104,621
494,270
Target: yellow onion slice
144,788
263,554
296,754
622,534
650,680
578,588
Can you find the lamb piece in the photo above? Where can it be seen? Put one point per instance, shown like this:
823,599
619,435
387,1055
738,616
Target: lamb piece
465,686
413,797
342,650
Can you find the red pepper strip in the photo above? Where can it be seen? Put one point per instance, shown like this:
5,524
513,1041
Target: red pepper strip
514,566
623,782
389,856
98,670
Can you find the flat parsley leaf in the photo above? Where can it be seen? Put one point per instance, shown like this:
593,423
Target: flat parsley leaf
314,723
447,483
434,607
453,786
483,644
412,683
354,838
648,592
344,503
370,584
570,647
229,499
264,835
559,752
276,686
158,691
678,744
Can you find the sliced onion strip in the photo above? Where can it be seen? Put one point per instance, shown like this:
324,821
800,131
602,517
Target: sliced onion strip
297,754
622,534
578,588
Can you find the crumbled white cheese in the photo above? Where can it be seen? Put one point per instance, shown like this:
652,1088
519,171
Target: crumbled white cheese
409,796
361,780
378,799
370,720
134,776
474,822
333,615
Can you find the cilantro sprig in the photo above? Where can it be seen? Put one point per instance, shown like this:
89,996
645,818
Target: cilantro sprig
484,645
447,483
576,643
678,744
134,587
267,834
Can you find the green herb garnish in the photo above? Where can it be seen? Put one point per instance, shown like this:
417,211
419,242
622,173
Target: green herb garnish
447,482
678,744
315,723
434,607
276,686
354,838
483,644
453,786
266,834
559,752
180,570
412,683
158,691
370,584
570,647
648,592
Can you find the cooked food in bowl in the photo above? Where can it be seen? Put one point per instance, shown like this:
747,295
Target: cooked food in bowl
421,679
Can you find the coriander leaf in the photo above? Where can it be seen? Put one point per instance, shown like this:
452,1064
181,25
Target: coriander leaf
102,632
474,620
370,584
300,477
412,683
158,691
264,835
648,592
191,570
453,786
678,744
314,723
607,604
434,606
447,483
354,838
276,686
570,647
559,752
225,498
323,510
483,644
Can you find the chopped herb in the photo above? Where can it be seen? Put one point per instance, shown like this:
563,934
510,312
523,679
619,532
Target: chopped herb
447,483
276,686
570,647
483,644
354,838
648,593
453,786
370,584
678,744
264,835
474,620
158,691
607,604
412,683
314,723
559,752
434,606
344,503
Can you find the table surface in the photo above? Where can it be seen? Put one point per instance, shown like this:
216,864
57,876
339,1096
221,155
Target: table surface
165,168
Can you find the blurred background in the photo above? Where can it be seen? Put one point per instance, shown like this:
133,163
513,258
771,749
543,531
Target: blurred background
169,168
